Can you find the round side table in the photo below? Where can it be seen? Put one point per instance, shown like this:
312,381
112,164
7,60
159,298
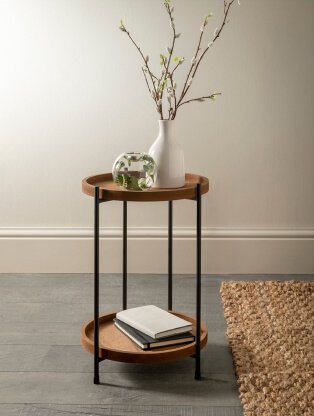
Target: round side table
100,336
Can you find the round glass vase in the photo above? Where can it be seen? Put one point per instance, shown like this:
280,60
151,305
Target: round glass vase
134,171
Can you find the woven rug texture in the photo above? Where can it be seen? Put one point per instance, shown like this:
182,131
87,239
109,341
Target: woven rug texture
270,332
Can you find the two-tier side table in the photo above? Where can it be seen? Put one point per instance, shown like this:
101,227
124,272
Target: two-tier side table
100,336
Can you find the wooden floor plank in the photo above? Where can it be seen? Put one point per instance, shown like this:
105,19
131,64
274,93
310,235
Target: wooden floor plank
78,313
42,333
15,358
11,409
142,389
36,409
69,290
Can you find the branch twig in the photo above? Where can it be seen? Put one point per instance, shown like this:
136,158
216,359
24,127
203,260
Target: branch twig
192,65
200,99
145,59
144,73
174,36
216,36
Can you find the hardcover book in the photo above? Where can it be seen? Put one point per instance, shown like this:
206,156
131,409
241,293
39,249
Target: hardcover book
146,342
154,321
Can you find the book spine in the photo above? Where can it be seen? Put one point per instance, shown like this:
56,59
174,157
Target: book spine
144,347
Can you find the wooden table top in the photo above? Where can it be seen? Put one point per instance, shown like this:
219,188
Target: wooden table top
110,191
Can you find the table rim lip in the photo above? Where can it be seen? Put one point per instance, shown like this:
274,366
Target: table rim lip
160,194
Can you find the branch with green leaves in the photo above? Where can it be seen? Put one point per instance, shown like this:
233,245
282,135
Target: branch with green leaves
201,99
165,61
196,60
146,68
189,80
165,82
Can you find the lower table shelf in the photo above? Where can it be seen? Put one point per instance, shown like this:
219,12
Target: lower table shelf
115,346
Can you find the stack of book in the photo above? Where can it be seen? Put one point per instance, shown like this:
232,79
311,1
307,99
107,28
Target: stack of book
151,327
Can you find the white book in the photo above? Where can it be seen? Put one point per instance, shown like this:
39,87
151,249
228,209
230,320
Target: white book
154,321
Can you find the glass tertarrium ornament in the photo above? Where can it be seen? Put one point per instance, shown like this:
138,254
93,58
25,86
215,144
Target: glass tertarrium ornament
134,171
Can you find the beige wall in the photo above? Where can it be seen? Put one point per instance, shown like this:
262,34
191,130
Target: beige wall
72,98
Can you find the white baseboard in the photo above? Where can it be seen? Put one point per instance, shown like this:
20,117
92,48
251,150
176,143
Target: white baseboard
157,232
70,250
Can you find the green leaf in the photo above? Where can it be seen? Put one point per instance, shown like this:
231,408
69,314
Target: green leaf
122,27
120,165
119,180
134,183
207,18
213,96
162,59
162,85
126,181
142,184
146,157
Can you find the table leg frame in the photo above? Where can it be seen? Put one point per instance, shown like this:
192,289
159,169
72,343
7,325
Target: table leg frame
170,244
125,255
170,274
198,281
96,286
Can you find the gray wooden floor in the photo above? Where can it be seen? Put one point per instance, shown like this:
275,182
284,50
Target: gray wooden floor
45,372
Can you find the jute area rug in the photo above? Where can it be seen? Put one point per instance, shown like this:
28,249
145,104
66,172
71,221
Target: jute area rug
270,332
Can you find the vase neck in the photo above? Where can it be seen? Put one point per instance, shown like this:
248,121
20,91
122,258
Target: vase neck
166,128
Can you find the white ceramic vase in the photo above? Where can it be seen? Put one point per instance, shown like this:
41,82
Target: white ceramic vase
168,156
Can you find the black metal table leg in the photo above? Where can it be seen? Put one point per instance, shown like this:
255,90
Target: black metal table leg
170,238
125,254
198,281
96,288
